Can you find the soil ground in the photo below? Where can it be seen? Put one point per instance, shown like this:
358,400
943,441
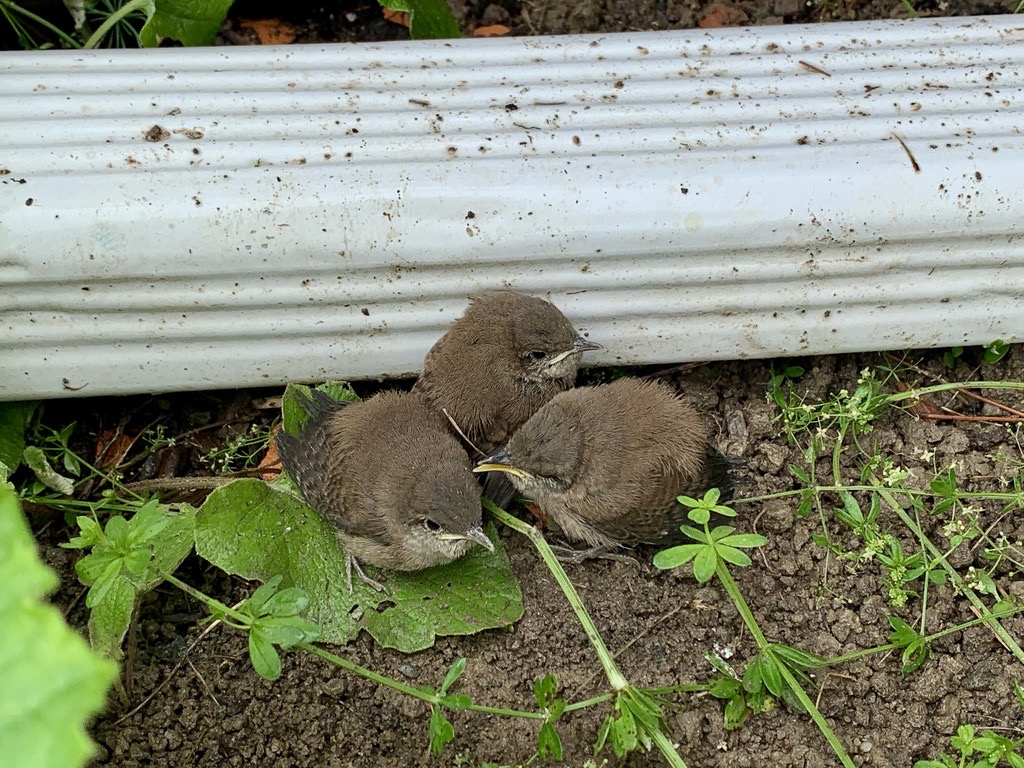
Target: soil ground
208,707
212,709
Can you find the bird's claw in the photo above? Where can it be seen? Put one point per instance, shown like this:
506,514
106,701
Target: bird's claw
350,563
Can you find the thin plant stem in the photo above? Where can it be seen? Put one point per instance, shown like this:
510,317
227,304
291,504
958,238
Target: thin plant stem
819,489
620,686
428,697
733,591
112,19
8,4
615,677
954,576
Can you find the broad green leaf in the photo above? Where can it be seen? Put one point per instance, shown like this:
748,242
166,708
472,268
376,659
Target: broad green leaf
13,419
190,22
428,19
256,531
51,683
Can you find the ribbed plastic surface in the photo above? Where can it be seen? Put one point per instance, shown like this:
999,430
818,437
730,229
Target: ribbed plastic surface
191,219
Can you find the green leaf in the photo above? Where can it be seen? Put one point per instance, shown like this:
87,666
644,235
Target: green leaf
623,730
770,673
996,351
456,669
256,531
752,681
673,557
801,475
287,602
428,19
724,688
263,655
736,712
113,609
287,631
190,22
700,515
549,745
544,690
734,556
13,420
850,513
51,683
104,582
441,731
745,540
704,564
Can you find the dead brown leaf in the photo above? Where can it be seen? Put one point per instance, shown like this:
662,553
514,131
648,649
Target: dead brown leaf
491,30
398,17
722,15
270,31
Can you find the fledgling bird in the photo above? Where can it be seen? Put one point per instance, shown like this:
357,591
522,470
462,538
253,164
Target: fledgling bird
507,356
390,477
607,462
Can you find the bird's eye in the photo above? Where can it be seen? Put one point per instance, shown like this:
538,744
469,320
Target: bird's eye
538,354
430,525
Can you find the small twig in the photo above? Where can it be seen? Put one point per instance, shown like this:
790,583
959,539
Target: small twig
675,369
171,674
202,681
931,416
807,65
994,403
78,597
461,433
179,483
913,160
644,632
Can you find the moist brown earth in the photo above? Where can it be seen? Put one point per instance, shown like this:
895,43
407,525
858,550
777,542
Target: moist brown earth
207,706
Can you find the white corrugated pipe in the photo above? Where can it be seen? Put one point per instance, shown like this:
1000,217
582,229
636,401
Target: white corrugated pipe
186,219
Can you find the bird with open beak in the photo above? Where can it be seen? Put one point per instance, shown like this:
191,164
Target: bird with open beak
392,479
606,463
503,359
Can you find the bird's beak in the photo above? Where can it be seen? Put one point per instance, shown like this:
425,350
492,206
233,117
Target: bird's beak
499,462
584,345
477,536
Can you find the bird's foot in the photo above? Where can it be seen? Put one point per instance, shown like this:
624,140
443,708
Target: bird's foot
573,556
350,563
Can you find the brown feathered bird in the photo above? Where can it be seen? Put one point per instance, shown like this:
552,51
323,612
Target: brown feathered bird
390,477
507,356
606,463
